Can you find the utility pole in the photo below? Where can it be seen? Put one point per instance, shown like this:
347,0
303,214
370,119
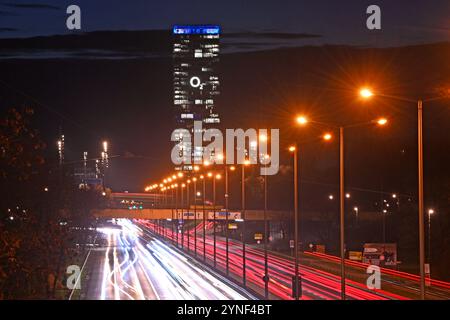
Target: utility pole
421,201
342,209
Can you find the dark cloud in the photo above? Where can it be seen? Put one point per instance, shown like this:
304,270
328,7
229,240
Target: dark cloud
273,35
8,13
6,29
264,40
139,44
39,6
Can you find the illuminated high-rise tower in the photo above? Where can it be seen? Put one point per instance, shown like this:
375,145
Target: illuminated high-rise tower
195,80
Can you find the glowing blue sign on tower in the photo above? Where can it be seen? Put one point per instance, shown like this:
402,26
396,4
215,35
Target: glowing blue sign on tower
206,29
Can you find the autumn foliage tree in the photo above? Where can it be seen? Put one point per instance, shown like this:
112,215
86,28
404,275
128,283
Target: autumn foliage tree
31,240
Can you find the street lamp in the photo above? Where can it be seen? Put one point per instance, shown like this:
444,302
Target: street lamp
214,177
430,213
231,168
182,215
266,235
175,228
366,94
221,157
196,194
302,120
188,205
295,287
202,177
382,121
244,274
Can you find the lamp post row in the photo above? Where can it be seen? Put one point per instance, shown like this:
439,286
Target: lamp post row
365,93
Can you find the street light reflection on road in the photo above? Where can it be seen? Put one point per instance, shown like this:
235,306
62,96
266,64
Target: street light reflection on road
138,266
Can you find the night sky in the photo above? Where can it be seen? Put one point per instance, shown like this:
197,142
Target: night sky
404,21
125,96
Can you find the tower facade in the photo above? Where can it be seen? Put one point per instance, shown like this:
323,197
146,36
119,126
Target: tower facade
195,81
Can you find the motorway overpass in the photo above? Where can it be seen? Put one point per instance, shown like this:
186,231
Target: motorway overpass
161,213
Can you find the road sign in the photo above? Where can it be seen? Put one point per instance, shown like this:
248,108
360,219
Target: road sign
380,254
258,236
291,244
355,255
232,226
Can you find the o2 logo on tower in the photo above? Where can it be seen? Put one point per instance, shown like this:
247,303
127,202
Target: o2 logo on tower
195,82
73,21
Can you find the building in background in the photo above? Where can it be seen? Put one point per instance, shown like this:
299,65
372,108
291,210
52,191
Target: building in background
195,82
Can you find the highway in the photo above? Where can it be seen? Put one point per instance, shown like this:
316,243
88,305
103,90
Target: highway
316,284
135,266
135,263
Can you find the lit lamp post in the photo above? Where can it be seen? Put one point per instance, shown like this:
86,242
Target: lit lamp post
221,159
188,182
342,210
172,205
244,273
216,177
182,186
232,168
301,120
213,177
176,212
195,215
202,177
175,221
263,138
196,194
430,213
384,213
366,94
266,236
182,215
163,190
356,209
296,280
342,196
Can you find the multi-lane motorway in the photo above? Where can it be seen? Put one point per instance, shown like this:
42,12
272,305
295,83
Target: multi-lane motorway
135,263
132,265
320,279
316,284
